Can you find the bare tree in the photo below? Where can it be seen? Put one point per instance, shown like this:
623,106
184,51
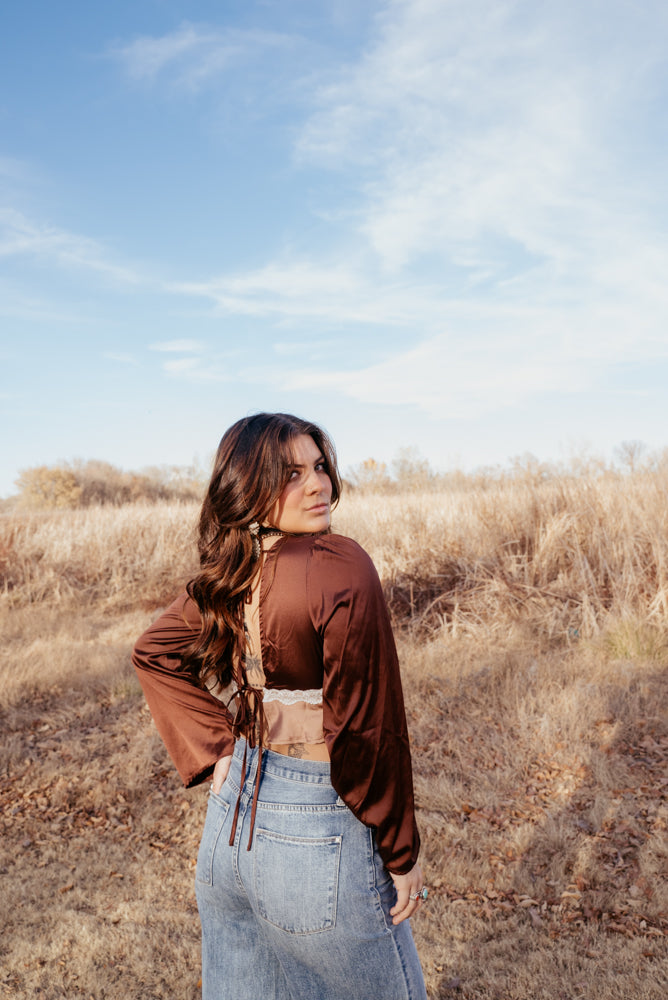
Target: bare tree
628,453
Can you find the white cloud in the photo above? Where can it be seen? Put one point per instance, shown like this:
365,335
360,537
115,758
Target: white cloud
203,370
180,346
444,378
193,55
19,236
297,290
124,359
13,169
180,365
495,214
476,121
146,56
287,349
28,304
490,358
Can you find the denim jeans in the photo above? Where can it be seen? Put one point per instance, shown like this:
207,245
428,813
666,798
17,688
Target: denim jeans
303,915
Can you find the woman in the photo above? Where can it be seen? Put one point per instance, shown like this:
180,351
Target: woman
307,870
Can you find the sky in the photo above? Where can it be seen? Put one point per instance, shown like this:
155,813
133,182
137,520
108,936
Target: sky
439,224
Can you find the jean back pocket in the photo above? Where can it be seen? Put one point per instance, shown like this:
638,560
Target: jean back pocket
296,880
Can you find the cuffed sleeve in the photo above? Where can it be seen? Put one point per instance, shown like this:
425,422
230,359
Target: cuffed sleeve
364,717
196,728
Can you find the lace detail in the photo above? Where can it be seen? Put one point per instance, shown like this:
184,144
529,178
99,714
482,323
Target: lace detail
288,697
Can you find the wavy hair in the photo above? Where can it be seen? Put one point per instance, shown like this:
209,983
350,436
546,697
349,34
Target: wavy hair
251,469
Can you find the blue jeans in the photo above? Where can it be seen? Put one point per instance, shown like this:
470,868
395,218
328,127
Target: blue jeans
303,915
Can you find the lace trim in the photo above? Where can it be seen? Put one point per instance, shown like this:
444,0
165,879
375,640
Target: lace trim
288,697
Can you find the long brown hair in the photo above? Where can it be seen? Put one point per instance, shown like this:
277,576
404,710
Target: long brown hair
251,469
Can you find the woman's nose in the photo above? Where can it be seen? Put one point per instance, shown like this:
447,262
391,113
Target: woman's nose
313,482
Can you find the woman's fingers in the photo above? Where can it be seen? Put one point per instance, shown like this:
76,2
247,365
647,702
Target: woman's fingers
403,900
220,773
406,885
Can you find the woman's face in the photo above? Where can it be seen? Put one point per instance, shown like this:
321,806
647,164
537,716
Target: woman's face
304,505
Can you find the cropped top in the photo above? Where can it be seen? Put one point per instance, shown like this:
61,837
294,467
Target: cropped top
323,624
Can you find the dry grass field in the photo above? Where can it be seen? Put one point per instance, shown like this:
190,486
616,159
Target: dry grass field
531,620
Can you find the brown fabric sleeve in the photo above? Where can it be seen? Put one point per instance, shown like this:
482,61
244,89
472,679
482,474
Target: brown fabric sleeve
195,727
363,706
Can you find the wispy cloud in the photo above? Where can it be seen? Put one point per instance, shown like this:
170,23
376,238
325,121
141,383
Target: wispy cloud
300,348
488,120
179,365
493,198
210,369
493,212
294,289
13,169
180,346
21,237
487,361
330,293
21,303
194,54
199,362
120,357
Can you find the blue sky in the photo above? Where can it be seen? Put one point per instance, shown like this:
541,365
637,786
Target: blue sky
429,223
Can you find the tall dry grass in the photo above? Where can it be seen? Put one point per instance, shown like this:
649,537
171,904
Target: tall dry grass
106,556
565,557
532,636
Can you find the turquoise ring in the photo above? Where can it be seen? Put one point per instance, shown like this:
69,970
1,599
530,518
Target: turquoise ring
422,894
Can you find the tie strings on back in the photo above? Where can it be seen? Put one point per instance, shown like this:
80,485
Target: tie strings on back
249,722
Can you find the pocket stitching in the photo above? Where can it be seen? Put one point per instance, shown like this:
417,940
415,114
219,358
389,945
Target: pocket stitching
263,835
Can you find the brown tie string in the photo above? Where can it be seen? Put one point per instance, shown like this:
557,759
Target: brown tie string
249,722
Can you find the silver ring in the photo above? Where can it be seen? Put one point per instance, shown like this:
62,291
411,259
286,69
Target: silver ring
422,894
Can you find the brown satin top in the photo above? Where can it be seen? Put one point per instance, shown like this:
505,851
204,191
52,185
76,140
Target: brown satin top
323,624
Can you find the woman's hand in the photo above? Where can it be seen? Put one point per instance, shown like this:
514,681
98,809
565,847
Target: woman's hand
406,885
220,773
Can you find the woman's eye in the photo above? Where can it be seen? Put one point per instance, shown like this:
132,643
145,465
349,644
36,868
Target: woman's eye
294,474
320,467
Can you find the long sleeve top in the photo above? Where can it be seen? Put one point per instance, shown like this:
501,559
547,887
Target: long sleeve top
323,625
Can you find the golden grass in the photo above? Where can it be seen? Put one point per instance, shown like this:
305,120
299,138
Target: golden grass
567,557
111,556
532,637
